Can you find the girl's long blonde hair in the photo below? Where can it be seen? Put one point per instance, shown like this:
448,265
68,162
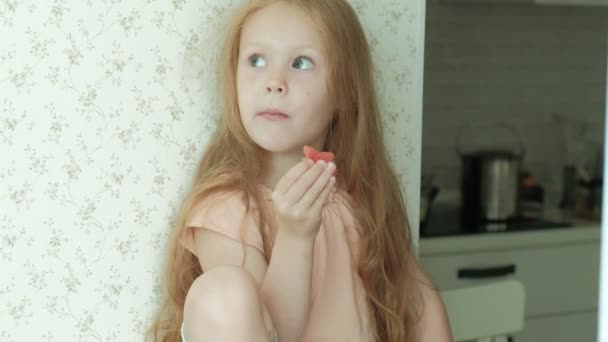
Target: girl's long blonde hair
232,161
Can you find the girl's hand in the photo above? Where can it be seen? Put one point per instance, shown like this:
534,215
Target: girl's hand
300,195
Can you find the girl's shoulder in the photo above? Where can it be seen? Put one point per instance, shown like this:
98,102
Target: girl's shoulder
219,203
223,212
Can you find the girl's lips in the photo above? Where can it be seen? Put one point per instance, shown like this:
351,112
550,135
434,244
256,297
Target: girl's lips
273,115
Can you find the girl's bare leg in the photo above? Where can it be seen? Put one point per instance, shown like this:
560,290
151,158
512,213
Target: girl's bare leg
224,304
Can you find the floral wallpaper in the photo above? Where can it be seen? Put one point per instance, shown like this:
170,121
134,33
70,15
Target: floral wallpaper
105,107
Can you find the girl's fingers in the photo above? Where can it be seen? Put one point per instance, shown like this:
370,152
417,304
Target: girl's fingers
292,176
302,184
322,199
317,187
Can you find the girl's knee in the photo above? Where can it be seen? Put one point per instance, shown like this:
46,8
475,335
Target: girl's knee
222,295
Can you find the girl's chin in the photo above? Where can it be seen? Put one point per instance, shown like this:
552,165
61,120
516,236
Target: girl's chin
277,146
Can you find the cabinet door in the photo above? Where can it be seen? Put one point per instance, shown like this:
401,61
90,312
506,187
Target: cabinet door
566,328
557,279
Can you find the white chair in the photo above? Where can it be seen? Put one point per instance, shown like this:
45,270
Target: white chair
486,313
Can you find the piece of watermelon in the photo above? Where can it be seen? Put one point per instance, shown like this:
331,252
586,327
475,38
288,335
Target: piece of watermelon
314,155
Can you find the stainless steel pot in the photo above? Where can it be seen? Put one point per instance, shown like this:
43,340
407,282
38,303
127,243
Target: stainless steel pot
489,186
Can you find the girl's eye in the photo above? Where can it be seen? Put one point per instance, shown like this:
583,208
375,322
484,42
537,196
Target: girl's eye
257,61
303,63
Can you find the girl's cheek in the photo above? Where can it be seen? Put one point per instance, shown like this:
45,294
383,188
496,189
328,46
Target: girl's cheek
253,76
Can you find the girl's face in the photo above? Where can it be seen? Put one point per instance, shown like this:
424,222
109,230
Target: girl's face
282,68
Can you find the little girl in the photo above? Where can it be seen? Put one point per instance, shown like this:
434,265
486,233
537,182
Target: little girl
270,246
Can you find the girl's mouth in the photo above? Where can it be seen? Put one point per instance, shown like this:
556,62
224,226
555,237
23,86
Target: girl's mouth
273,115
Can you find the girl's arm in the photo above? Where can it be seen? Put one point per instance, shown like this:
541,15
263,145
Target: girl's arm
298,199
286,287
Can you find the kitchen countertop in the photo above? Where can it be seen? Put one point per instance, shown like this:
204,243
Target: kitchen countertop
579,231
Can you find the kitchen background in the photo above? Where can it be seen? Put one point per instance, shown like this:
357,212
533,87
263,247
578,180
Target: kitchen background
528,66
499,74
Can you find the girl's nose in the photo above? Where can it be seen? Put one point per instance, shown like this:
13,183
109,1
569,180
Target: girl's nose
275,89
276,85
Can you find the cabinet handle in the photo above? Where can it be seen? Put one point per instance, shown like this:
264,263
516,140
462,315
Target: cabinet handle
490,272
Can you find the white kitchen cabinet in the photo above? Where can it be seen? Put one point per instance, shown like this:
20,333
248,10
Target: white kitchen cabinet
558,267
577,327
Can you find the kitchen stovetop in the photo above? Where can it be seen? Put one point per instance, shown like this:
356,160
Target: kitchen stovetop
439,226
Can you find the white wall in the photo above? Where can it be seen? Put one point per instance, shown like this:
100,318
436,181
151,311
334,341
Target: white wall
515,64
105,107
